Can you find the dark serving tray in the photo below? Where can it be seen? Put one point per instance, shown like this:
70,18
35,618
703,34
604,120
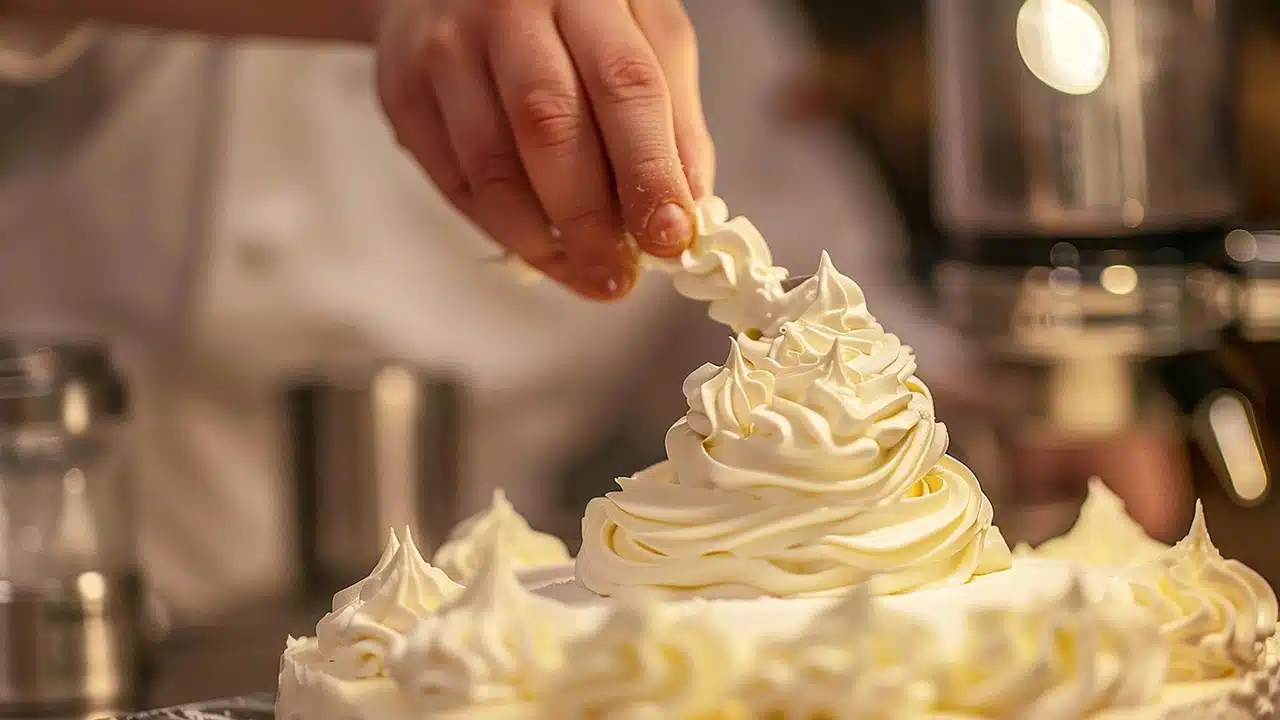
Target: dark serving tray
252,707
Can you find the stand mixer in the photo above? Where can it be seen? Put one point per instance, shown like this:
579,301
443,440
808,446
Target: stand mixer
1076,180
1084,176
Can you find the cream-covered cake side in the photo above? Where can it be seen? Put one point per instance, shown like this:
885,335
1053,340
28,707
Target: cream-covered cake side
1046,639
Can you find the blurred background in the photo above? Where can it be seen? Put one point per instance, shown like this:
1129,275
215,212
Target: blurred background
241,337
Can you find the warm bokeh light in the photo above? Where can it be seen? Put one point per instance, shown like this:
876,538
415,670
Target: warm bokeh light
1065,44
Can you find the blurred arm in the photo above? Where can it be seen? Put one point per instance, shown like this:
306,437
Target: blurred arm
34,53
345,20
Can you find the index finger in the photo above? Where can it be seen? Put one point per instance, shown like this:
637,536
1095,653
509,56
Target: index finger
631,103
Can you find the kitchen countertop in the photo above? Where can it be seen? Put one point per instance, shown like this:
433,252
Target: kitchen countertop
235,658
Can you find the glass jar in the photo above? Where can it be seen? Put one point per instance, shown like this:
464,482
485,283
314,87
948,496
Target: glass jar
70,589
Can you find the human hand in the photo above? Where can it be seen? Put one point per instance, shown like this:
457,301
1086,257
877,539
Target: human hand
555,125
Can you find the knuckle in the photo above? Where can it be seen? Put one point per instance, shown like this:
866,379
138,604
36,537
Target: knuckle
488,169
444,42
588,219
549,117
650,169
631,76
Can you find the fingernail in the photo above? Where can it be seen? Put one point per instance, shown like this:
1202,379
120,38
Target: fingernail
670,229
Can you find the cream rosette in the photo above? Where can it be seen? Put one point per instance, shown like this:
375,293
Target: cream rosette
360,634
470,542
1104,534
854,661
1215,614
729,266
1063,658
809,462
487,652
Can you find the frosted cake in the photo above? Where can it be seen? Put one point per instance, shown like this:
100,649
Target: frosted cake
808,550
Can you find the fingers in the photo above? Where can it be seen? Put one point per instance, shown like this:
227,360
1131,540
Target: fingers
503,202
414,114
559,146
631,102
667,27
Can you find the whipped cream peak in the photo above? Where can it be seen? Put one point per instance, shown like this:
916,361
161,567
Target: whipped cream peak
1060,658
358,637
722,399
493,644
464,550
648,660
826,299
1216,614
351,594
1104,534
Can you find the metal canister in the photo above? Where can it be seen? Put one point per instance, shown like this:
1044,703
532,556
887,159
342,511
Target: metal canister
1083,117
70,592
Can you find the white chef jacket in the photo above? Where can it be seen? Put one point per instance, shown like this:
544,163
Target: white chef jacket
231,214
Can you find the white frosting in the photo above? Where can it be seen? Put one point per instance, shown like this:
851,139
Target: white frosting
492,646
350,595
809,467
729,266
471,540
1216,614
852,661
1104,534
809,462
649,661
357,637
1059,659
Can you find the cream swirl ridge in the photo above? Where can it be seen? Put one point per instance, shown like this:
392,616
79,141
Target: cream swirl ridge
827,434
490,647
729,266
1060,659
469,542
647,661
686,541
358,637
1216,614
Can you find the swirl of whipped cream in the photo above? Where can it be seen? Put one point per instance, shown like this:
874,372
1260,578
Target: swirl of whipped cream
1215,614
829,436
1061,658
852,661
647,661
471,540
686,541
358,637
829,300
729,266
490,647
1104,534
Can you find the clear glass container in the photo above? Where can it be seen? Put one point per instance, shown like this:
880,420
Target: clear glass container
70,589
